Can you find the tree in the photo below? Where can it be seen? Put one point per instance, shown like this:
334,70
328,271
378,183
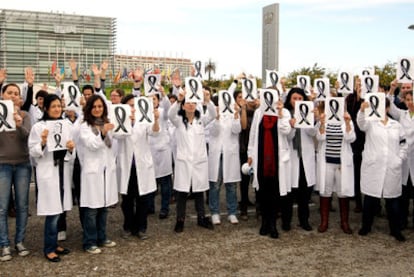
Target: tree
210,67
386,74
313,72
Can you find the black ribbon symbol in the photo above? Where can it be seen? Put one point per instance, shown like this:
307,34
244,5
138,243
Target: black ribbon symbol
197,66
58,138
405,67
3,116
334,107
143,108
72,95
344,79
369,83
227,101
273,78
152,80
120,116
320,85
268,98
194,88
303,111
365,72
248,84
374,102
302,83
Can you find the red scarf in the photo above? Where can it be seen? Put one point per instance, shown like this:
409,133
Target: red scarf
269,159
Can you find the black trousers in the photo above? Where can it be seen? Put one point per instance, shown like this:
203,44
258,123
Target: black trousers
181,204
302,195
370,209
407,193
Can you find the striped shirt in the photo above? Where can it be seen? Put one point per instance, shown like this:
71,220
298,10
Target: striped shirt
334,138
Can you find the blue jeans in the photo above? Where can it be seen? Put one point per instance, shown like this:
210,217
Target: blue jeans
19,175
50,234
214,194
165,183
94,227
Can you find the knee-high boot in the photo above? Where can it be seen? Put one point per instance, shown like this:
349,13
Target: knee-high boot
344,210
324,203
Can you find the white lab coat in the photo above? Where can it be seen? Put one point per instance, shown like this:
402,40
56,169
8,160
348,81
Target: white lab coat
136,145
160,144
47,174
284,159
191,164
98,175
347,162
407,122
308,156
224,139
384,152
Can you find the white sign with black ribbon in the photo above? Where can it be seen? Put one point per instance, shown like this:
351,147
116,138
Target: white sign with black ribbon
405,70
120,116
334,109
7,122
273,81
268,101
151,83
226,103
249,89
58,134
304,114
304,82
193,90
369,84
376,106
144,110
345,82
198,66
367,71
71,95
321,88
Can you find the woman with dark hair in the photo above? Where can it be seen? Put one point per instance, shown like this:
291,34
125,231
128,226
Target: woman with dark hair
191,164
303,163
135,172
15,169
99,188
53,178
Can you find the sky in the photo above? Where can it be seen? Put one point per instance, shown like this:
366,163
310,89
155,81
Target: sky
338,35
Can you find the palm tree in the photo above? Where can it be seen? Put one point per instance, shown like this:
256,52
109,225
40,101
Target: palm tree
210,67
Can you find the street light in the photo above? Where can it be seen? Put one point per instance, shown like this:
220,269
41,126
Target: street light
411,27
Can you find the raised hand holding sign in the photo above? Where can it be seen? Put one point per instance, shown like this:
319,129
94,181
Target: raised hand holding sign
120,116
405,70
304,115
72,96
7,122
376,106
144,110
334,109
268,100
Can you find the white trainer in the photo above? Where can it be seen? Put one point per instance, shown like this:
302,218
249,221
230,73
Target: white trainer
215,219
5,254
21,250
233,219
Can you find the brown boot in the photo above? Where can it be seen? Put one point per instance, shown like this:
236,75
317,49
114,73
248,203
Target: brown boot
324,203
344,210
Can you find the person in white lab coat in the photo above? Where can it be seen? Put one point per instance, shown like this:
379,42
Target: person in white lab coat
53,178
135,172
303,161
381,171
224,163
335,168
191,164
99,188
406,119
269,155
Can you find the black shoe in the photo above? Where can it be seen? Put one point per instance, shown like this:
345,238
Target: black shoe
364,231
62,251
179,226
163,215
264,231
398,236
273,232
205,222
55,259
306,226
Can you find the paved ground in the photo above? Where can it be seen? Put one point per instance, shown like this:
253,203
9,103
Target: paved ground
227,251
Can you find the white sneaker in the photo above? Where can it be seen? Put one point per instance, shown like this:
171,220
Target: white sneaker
62,236
108,243
21,250
93,250
5,254
215,219
233,219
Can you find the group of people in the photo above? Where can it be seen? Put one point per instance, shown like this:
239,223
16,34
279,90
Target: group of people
192,149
